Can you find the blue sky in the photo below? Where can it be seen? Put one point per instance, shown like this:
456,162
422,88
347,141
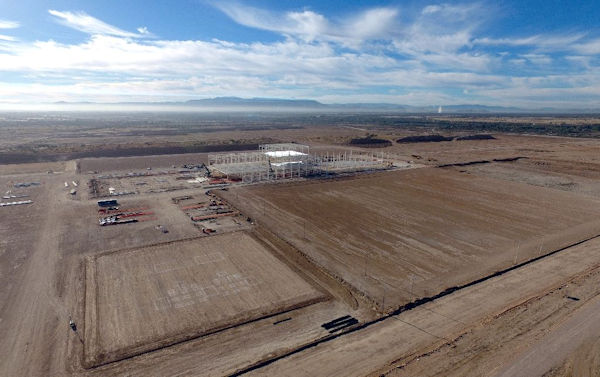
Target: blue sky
529,54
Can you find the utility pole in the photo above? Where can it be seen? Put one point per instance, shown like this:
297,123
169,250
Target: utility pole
383,301
305,229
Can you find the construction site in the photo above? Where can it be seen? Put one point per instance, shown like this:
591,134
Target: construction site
290,160
300,258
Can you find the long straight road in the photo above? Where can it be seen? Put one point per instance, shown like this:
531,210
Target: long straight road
34,332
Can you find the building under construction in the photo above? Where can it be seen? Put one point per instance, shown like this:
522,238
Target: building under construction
290,160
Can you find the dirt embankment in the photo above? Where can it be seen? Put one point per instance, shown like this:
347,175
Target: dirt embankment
438,138
479,162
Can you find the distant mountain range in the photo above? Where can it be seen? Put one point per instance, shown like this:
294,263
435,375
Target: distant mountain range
266,104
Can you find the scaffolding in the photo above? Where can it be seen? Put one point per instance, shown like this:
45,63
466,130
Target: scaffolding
352,161
290,160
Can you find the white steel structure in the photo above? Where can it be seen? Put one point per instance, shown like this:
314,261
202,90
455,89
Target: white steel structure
290,160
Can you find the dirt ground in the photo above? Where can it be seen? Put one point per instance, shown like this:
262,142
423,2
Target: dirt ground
398,236
441,325
422,230
578,177
145,298
44,246
582,362
506,345
503,146
104,164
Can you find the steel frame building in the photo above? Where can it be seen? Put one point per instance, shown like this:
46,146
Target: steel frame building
290,160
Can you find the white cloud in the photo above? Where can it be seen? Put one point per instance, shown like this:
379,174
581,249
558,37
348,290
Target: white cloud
6,24
369,56
545,42
588,48
538,59
87,24
307,25
373,23
431,9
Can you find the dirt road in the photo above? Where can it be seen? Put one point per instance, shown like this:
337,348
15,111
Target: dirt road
35,328
582,326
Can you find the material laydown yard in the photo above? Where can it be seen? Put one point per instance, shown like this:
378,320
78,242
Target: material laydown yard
147,298
398,236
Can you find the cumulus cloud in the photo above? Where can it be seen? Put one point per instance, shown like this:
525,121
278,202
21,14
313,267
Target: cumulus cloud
90,25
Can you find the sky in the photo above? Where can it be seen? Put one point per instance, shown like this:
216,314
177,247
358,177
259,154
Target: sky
530,54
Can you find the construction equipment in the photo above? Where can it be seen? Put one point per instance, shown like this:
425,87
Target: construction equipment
7,204
113,220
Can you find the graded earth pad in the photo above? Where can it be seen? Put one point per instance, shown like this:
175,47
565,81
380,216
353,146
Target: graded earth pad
147,298
398,236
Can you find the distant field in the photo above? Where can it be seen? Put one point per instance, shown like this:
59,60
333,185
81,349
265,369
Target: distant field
397,236
147,298
578,177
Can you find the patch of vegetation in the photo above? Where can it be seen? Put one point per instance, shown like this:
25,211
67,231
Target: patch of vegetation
369,141
424,139
476,137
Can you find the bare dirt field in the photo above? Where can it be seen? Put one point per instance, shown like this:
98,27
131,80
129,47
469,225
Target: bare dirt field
105,164
503,146
431,333
142,299
555,334
584,361
41,167
190,303
398,236
578,177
